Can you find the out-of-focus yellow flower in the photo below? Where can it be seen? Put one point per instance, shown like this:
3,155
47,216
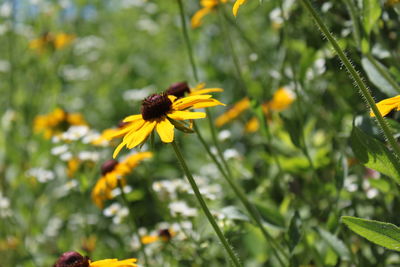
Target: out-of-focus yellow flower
73,258
164,235
280,101
49,41
161,112
233,112
392,2
112,171
56,122
180,89
236,6
207,7
72,166
387,105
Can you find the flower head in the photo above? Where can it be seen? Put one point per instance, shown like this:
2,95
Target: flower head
50,41
236,6
56,122
180,89
160,112
112,171
207,7
74,259
387,105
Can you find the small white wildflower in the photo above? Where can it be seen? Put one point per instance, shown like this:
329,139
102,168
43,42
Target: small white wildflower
137,94
6,9
75,132
224,135
231,153
117,191
66,156
253,57
58,150
89,156
180,208
72,73
40,174
4,66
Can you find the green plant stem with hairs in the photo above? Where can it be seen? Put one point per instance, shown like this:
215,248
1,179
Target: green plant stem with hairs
134,223
356,77
233,257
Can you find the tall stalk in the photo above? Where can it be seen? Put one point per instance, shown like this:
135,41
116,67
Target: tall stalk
355,76
234,258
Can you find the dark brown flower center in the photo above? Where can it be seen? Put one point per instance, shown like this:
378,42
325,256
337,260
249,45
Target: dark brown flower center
72,259
155,106
165,235
178,89
108,166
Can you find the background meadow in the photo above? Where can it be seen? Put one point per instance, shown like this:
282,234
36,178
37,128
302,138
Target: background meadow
303,160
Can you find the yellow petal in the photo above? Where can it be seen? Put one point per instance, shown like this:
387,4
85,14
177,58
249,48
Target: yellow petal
387,105
188,101
133,118
186,115
127,129
148,239
198,17
208,103
137,137
252,125
281,100
118,149
206,91
236,6
165,130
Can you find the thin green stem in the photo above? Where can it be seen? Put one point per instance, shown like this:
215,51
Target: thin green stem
134,223
187,40
235,59
356,77
242,197
224,241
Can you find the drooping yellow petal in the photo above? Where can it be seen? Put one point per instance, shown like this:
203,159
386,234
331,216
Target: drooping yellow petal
165,130
208,103
113,263
118,149
198,17
186,115
236,6
127,128
206,91
137,137
186,102
234,112
387,105
148,239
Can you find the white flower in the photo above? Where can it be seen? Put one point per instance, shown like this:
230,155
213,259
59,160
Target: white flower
180,208
58,150
89,156
72,73
6,9
4,66
117,212
41,174
231,153
75,132
137,94
224,135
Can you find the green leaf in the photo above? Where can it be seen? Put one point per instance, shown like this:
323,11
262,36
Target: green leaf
371,13
384,234
294,129
376,78
294,231
335,243
373,154
233,213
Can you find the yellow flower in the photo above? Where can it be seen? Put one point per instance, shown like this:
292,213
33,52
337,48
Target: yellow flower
280,101
179,89
387,105
112,171
207,7
164,235
160,112
72,258
236,6
51,41
56,122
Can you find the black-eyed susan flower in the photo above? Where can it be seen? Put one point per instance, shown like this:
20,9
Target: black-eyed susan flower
56,122
280,101
50,41
164,235
207,7
236,6
160,112
113,171
180,89
387,105
74,259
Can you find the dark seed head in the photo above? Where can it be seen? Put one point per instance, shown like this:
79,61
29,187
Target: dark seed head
72,259
108,166
155,106
178,89
165,235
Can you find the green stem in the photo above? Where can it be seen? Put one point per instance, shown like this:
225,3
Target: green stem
235,59
242,197
228,248
356,77
133,222
187,40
